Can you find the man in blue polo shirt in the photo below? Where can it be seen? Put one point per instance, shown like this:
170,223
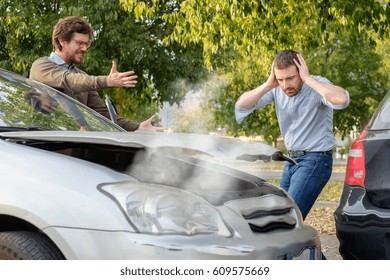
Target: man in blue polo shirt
304,107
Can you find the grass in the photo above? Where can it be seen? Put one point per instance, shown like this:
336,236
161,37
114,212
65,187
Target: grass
331,192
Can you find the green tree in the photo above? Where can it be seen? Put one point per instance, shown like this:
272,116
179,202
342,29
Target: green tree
168,43
240,38
26,28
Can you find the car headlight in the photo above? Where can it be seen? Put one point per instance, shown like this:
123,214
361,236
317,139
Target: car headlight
159,209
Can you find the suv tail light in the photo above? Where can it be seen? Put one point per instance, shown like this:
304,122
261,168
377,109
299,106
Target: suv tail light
356,169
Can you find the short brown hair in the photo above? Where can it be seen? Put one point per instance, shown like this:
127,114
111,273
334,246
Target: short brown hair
285,59
65,28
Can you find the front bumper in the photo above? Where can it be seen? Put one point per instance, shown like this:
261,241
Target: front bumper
119,245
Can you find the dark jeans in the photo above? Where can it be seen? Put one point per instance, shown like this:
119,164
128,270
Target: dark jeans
305,181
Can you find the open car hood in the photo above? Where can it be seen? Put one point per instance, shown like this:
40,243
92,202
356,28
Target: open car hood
221,147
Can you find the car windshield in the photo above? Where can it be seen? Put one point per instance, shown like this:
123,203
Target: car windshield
28,105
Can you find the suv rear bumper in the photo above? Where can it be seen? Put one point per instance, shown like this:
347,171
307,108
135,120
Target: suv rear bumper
367,243
362,229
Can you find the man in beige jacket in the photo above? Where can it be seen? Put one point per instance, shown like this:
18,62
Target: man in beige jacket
71,38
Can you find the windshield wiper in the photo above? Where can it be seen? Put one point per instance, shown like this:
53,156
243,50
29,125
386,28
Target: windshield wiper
11,128
36,128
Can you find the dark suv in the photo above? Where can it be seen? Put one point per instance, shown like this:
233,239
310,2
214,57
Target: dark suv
363,216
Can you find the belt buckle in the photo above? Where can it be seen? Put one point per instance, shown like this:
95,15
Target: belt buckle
296,153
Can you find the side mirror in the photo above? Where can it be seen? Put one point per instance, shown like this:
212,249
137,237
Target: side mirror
111,108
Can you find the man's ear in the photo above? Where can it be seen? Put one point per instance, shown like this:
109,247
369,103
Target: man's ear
62,42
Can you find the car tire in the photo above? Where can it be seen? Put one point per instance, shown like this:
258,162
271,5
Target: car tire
27,245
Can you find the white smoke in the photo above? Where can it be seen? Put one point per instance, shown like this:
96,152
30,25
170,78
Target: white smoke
192,115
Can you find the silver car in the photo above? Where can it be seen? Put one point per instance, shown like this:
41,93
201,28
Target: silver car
109,194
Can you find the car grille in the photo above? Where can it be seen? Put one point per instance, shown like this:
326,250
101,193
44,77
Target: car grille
265,213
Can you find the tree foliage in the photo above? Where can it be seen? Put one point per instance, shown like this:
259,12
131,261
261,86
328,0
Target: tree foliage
26,28
240,38
168,43
256,26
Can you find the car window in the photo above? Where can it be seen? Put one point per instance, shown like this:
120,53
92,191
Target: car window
27,104
381,118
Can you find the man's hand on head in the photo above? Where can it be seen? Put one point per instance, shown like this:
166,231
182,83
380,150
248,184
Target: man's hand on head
121,79
272,82
302,68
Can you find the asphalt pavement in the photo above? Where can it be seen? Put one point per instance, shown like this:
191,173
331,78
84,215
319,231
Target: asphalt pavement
330,246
